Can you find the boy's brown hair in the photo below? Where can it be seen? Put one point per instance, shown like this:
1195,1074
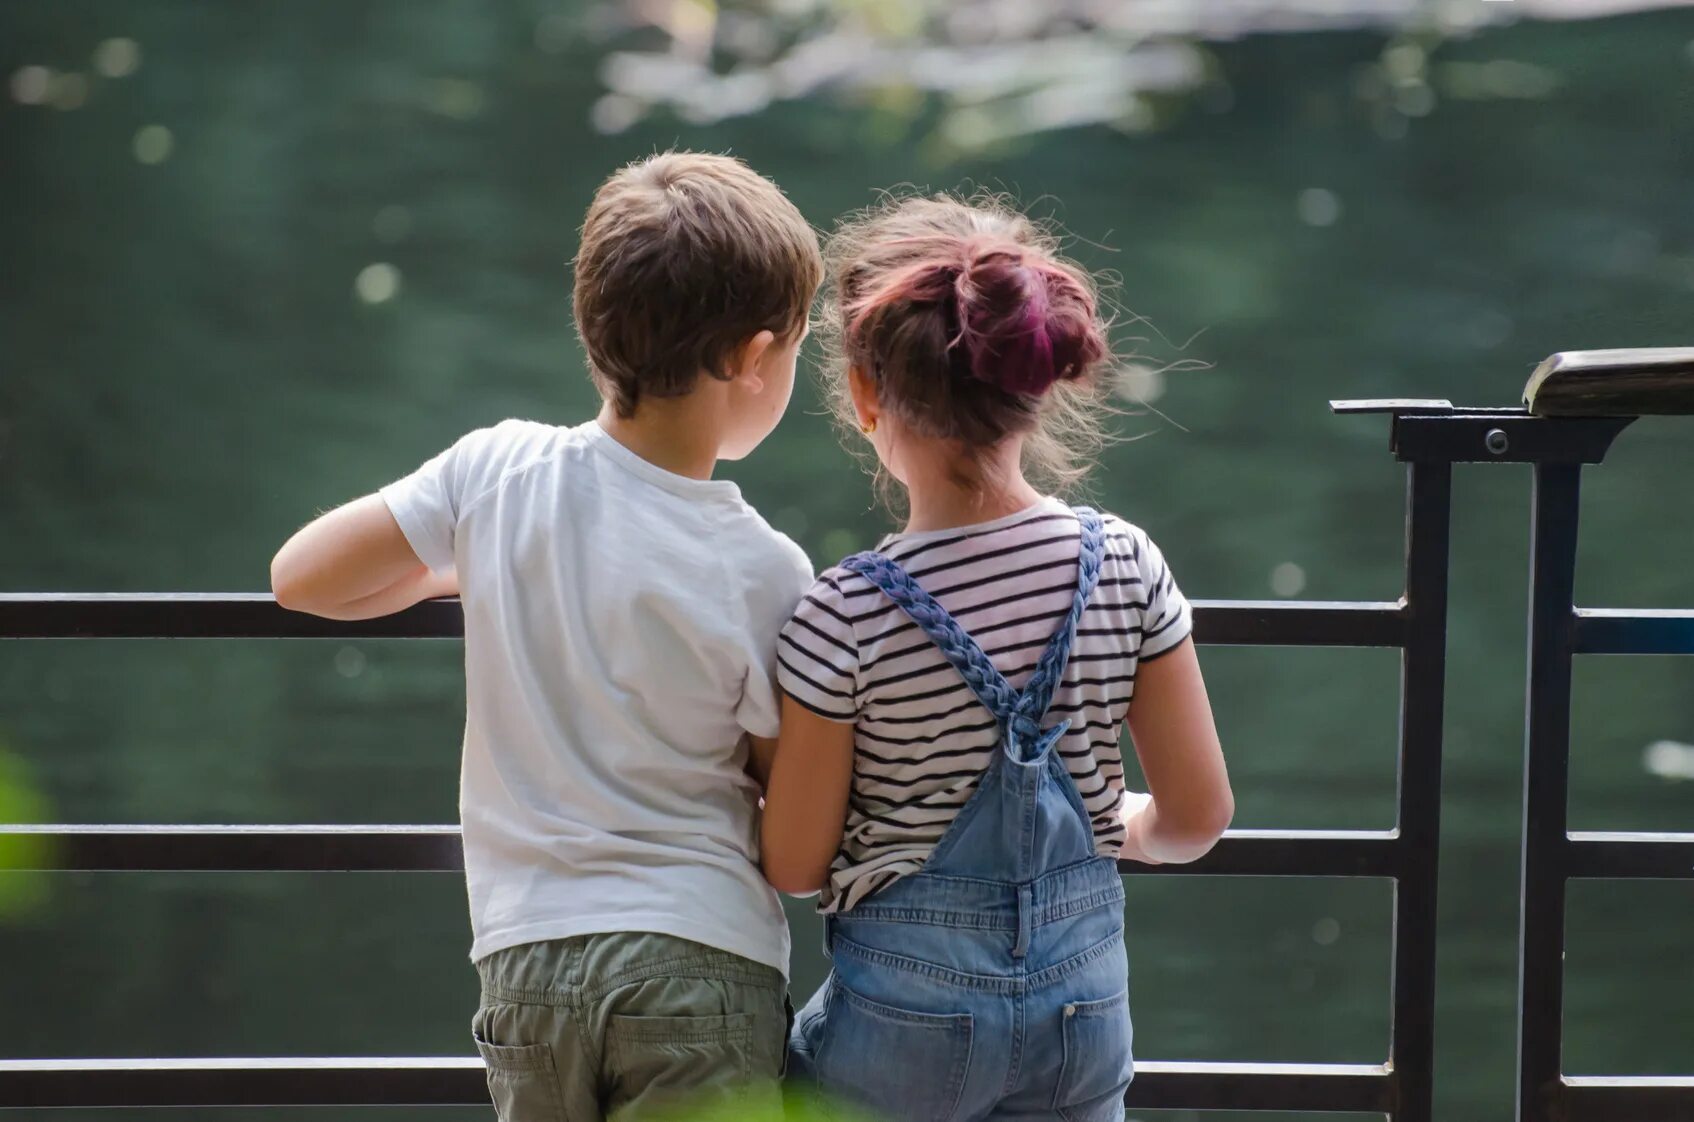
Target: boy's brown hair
684,257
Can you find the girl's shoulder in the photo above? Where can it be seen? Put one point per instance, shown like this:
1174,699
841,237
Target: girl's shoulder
1133,559
818,663
1126,542
833,603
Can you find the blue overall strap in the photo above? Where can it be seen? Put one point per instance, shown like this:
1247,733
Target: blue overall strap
1019,714
1038,691
989,685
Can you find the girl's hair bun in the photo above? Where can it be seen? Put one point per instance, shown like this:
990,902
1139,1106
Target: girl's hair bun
1024,322
970,326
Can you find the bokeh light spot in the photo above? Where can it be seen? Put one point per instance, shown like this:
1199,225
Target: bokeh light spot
1139,383
117,58
349,662
1318,206
1288,579
377,283
30,84
153,144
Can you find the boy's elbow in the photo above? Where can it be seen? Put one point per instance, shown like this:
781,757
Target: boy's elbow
293,591
285,587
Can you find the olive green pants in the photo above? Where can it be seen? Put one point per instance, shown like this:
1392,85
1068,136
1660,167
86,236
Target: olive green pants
626,1024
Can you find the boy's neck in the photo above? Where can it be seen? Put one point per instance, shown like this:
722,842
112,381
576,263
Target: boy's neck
939,501
677,434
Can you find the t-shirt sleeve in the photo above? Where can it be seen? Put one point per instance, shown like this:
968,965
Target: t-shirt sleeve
774,592
818,658
1168,618
427,503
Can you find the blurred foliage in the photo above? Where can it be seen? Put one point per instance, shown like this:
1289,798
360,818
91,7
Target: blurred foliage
23,887
997,70
795,1106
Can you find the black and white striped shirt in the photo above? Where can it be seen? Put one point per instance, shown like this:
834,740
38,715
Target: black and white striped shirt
921,738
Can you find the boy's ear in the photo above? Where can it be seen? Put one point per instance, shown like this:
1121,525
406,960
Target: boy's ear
745,362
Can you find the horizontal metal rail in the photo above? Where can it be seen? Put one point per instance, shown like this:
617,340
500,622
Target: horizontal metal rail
1591,855
1655,631
206,615
1307,1088
460,1081
274,849
1624,1098
246,1081
254,615
323,849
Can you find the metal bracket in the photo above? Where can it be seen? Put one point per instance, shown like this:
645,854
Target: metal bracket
1436,430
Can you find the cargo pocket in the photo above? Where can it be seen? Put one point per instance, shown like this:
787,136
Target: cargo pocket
653,1061
1097,1066
901,1065
522,1081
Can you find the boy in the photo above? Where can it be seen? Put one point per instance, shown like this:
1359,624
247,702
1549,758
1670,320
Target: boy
621,619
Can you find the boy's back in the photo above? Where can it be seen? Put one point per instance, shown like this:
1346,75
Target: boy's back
619,627
622,611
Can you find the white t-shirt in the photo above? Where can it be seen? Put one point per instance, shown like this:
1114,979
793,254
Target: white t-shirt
620,637
921,738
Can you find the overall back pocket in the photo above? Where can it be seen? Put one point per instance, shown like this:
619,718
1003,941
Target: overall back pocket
1097,1065
902,1065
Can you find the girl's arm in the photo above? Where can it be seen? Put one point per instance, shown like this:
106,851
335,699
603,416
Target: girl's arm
354,563
1170,720
806,800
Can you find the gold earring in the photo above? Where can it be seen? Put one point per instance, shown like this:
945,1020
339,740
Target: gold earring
869,428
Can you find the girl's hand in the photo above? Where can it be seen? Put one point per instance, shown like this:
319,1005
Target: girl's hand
1133,814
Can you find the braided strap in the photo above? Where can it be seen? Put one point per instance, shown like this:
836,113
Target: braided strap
1050,668
1019,714
956,645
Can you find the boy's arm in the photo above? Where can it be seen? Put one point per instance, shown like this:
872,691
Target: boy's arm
354,563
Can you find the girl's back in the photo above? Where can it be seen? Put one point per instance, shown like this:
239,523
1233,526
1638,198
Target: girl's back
922,739
948,773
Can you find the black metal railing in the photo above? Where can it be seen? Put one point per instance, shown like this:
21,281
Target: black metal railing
1552,854
1428,436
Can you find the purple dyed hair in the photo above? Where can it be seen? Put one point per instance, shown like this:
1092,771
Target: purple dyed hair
972,327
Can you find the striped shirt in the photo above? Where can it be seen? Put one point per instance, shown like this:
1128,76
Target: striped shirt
921,737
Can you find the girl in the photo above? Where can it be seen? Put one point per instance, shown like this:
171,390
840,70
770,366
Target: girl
948,773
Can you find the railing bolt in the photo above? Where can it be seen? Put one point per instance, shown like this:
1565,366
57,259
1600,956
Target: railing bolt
1497,441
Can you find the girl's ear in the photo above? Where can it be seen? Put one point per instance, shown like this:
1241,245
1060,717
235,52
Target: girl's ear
865,403
744,364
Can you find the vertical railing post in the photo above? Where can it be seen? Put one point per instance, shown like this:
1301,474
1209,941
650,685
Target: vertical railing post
1546,771
1423,668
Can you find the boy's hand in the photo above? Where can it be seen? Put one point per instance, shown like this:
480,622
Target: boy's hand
354,563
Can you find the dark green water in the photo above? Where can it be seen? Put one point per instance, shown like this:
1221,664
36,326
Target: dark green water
187,373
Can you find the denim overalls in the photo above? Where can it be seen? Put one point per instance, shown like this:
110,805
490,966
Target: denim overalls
992,983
